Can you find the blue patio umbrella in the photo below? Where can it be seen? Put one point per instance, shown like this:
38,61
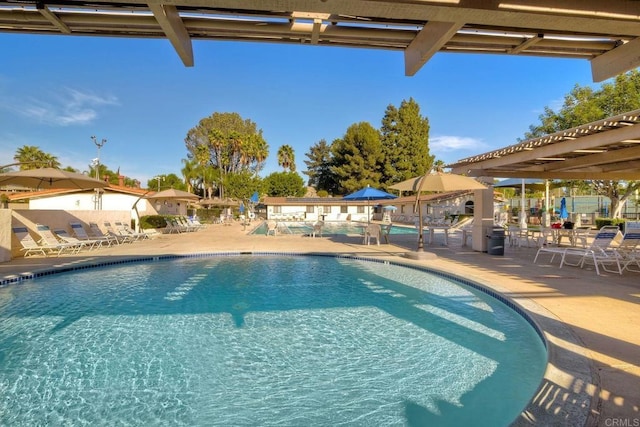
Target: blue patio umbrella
255,198
241,208
563,209
368,194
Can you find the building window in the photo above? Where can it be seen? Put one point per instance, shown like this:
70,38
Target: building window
327,209
310,209
344,209
360,209
277,209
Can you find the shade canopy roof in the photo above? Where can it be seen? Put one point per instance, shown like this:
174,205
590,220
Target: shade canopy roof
439,182
174,194
607,149
602,32
369,193
46,178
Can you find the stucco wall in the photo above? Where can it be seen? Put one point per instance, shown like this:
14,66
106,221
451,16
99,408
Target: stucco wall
5,235
53,218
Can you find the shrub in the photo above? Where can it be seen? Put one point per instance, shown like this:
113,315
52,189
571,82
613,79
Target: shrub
601,222
152,221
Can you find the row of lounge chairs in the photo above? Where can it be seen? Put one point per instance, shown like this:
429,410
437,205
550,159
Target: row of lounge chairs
182,224
59,241
610,251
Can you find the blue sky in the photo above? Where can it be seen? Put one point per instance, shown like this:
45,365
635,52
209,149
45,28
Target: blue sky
58,91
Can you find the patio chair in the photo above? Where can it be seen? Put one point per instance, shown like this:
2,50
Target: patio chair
81,244
125,230
602,240
194,223
47,238
81,234
627,251
173,227
112,231
29,246
97,233
372,231
317,229
597,252
272,228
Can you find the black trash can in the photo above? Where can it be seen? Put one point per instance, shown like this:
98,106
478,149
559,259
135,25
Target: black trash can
495,245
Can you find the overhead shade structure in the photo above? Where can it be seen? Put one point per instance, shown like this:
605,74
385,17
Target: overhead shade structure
437,182
219,202
46,178
174,194
368,194
530,183
523,184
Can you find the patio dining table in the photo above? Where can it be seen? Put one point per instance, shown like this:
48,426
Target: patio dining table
433,228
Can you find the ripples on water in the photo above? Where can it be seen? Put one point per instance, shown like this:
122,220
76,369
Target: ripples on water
261,341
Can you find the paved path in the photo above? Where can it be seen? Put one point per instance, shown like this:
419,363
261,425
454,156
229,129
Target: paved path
591,322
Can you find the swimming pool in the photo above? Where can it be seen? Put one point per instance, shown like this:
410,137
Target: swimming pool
330,228
261,340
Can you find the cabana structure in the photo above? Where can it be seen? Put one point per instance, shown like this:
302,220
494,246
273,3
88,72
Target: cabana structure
607,149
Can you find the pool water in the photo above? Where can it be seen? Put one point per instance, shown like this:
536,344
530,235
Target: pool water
261,340
330,228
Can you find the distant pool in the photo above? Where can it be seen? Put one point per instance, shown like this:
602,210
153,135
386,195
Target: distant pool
330,228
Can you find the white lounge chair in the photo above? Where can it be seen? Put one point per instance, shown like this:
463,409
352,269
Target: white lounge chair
125,230
29,246
597,252
601,240
122,237
626,253
48,239
80,233
97,233
81,244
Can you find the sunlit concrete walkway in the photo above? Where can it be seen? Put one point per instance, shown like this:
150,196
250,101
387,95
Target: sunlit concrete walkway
591,322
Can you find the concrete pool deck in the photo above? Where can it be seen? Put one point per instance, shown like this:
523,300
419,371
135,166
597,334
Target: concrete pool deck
590,322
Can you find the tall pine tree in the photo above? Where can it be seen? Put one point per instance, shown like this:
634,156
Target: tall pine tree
405,143
357,158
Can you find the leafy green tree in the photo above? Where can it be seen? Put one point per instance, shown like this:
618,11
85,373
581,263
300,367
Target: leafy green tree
242,185
319,168
287,158
167,181
357,158
284,184
228,143
32,157
584,105
405,143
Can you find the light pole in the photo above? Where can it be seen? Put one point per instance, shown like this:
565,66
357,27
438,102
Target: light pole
97,203
159,178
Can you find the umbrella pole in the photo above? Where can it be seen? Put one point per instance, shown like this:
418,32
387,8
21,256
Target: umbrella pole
420,232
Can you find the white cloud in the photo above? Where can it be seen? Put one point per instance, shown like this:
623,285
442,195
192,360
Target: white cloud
66,108
447,143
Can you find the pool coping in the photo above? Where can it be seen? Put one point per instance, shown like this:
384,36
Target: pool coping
555,402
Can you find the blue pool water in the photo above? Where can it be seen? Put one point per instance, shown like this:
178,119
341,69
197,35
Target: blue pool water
330,228
261,340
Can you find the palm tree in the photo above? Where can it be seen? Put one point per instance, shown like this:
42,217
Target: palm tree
32,157
286,158
189,173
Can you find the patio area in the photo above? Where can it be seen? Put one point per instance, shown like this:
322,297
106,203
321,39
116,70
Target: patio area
590,321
